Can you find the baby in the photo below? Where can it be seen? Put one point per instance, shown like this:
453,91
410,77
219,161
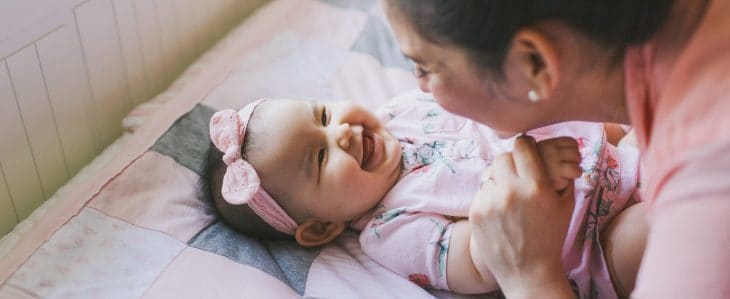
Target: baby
405,179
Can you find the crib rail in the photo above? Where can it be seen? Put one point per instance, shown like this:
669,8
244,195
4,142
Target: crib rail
70,70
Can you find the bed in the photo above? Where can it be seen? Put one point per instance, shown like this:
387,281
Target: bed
137,222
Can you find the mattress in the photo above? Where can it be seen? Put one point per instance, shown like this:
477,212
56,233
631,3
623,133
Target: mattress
137,221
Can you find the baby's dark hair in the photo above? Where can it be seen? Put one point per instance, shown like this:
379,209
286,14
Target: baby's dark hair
239,217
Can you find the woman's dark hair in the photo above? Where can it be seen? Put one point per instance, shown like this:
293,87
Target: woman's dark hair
485,27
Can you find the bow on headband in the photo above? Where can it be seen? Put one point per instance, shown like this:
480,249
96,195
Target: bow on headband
241,183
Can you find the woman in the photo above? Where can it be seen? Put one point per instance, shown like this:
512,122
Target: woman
662,66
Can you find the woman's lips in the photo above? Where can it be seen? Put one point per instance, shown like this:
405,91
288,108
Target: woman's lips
372,150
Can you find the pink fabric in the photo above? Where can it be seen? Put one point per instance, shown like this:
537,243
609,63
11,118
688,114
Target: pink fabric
343,270
680,110
166,198
443,158
241,183
100,255
201,274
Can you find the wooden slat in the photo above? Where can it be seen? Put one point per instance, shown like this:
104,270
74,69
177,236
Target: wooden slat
15,154
22,22
168,38
40,123
62,64
131,50
105,66
245,8
203,25
184,13
149,35
234,14
216,19
8,218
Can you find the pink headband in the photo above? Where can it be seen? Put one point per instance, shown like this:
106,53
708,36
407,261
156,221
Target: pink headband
241,183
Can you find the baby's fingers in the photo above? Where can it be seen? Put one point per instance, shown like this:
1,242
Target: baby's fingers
563,175
562,149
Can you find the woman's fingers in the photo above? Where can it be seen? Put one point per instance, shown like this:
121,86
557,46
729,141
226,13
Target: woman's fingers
503,167
527,159
518,221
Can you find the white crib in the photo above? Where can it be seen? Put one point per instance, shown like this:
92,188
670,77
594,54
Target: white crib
70,70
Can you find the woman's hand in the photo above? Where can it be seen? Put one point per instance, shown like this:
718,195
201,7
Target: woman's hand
519,223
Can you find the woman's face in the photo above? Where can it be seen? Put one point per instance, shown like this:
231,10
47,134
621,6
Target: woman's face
460,87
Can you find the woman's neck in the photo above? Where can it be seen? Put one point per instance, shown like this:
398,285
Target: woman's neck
683,19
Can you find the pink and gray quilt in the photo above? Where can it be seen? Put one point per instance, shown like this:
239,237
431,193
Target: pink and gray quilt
143,226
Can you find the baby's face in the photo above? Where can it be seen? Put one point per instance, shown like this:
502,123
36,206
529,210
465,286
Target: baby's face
330,161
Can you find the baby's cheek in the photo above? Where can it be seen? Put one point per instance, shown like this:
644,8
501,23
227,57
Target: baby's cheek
345,169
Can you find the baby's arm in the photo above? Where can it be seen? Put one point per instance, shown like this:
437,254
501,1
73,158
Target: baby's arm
614,133
623,242
461,274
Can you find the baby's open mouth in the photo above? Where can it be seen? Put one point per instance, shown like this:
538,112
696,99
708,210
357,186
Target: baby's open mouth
371,149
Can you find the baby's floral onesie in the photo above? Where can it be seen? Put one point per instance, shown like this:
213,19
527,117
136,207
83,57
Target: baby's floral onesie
443,156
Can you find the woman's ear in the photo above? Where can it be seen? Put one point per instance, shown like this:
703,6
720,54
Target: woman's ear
315,233
537,61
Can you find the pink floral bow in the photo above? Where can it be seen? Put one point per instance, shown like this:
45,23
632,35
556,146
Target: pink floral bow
241,183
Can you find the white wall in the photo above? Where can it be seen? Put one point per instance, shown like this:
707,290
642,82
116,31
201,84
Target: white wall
70,70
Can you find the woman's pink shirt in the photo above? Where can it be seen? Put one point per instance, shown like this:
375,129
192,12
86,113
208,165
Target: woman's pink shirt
681,113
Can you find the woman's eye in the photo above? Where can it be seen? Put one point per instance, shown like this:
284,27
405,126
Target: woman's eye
420,72
320,157
324,116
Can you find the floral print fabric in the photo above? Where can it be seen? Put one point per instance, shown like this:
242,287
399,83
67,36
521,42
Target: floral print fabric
442,159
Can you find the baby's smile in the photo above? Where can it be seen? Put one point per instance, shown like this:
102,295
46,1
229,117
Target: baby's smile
372,150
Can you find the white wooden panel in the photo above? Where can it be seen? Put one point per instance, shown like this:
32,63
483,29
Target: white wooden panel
16,16
15,153
216,14
207,20
184,14
131,50
169,42
203,29
8,218
105,66
234,14
21,22
149,35
70,70
40,124
68,90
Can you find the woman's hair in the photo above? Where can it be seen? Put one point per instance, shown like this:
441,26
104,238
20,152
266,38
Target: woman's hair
239,217
485,28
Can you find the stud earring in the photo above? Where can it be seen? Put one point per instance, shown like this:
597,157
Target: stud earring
533,96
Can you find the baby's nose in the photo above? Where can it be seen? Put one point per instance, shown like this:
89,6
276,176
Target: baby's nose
344,133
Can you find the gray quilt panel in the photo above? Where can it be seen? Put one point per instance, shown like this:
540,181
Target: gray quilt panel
377,40
187,141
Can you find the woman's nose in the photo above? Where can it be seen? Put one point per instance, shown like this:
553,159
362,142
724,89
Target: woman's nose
423,85
343,135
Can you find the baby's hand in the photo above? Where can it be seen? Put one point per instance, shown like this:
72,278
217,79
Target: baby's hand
562,160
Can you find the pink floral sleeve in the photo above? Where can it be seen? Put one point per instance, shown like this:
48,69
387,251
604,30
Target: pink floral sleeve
413,245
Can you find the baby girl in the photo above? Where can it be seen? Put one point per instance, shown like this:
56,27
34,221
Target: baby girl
405,179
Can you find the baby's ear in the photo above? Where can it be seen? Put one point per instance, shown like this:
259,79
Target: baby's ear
314,232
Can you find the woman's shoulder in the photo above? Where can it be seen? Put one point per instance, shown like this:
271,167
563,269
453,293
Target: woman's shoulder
692,114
